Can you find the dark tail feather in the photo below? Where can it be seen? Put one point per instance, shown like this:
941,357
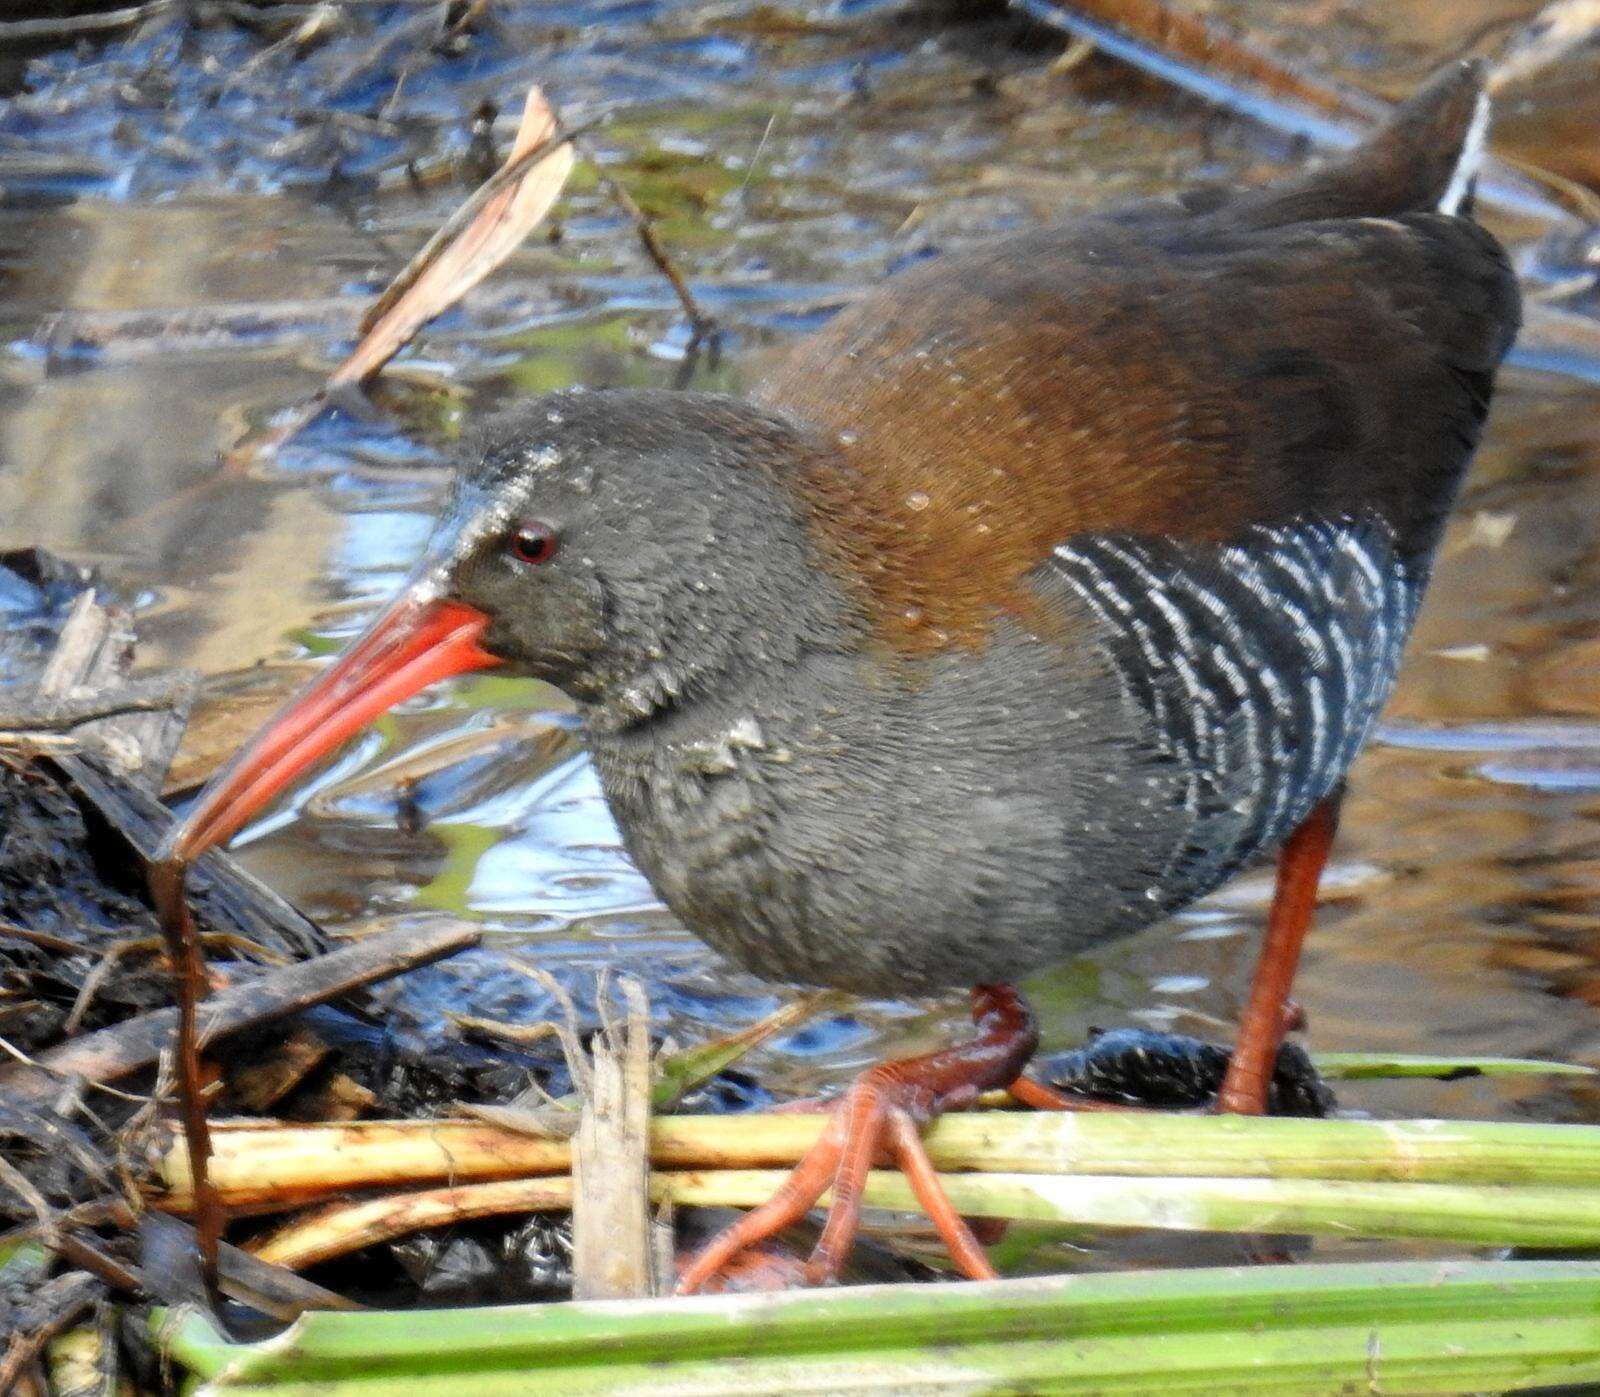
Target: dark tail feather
1421,159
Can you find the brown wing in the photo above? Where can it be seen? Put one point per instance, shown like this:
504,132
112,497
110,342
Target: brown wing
1172,374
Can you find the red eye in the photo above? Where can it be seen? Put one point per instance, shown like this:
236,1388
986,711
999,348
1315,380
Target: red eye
534,543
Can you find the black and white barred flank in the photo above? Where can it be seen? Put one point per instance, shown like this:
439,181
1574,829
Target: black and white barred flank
1261,665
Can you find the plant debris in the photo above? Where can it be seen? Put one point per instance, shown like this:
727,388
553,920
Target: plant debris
1139,1067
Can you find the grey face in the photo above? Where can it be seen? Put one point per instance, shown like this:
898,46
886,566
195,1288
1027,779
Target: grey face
519,542
630,547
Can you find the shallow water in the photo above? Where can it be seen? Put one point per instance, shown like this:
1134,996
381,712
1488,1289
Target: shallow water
170,280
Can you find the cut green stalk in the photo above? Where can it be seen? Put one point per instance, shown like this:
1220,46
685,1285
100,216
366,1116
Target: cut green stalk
1132,1144
290,1164
1305,1330
1471,1215
1466,1214
1352,1067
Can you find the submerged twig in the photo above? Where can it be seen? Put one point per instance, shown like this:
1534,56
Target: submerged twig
702,325
322,20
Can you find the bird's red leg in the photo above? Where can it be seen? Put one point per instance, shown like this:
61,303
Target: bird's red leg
959,1237
879,1118
1267,1013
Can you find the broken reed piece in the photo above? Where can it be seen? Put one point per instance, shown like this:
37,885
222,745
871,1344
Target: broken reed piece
613,1251
336,1229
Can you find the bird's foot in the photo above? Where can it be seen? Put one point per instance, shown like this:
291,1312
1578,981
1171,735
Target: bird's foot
880,1119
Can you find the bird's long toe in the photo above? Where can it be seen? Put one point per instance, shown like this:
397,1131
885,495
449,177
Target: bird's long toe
793,1200
877,1122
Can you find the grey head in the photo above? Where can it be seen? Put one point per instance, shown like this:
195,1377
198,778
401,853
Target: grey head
637,548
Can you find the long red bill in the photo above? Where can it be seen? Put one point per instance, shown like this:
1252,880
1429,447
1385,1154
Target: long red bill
410,646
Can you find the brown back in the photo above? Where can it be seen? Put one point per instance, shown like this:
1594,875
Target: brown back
1165,373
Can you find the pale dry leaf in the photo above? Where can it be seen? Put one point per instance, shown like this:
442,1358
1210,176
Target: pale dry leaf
417,296
1550,36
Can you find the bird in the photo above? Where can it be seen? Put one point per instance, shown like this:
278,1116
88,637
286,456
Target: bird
1032,596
